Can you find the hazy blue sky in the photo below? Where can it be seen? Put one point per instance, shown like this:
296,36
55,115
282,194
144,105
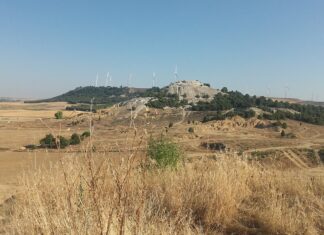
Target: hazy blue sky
49,47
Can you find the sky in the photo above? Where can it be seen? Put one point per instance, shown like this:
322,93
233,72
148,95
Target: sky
257,47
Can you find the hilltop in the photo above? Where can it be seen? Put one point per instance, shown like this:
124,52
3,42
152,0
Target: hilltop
194,96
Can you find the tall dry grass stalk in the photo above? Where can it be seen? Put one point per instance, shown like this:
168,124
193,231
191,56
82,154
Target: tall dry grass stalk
93,195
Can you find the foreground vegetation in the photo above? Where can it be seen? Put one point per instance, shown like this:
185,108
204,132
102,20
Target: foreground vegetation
93,195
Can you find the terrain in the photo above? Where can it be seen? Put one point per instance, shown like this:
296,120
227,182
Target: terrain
122,131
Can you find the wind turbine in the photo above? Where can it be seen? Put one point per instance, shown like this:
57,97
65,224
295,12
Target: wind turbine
176,75
97,78
107,79
130,77
154,80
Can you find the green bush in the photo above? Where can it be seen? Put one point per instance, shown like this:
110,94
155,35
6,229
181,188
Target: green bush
75,139
48,142
191,130
321,154
58,115
31,146
63,142
224,90
164,152
170,124
51,142
86,134
284,125
283,133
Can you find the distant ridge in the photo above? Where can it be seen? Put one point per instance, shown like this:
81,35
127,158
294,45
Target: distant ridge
298,101
101,95
194,96
11,99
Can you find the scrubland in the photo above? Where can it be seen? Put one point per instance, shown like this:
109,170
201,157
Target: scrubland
108,184
228,195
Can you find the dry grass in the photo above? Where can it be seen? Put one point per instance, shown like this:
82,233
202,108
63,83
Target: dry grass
93,195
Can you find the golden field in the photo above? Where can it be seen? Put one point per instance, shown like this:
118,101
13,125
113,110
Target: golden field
107,191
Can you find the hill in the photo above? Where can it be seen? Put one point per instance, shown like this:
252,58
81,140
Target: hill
101,95
195,96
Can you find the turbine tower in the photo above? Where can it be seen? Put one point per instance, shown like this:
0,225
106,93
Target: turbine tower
130,77
97,78
107,79
176,75
154,79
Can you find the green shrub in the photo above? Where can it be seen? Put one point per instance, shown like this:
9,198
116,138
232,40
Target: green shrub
31,146
191,130
164,152
63,142
214,146
321,154
51,142
58,115
224,89
284,125
170,124
48,142
283,133
86,134
260,126
75,139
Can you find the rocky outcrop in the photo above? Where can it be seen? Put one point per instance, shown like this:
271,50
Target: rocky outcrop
193,91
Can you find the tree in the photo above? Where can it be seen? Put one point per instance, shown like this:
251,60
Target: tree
48,142
58,115
75,139
85,134
283,133
284,125
321,154
63,142
224,90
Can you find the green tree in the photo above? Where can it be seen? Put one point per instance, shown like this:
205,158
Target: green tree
75,139
284,125
224,90
283,133
321,154
63,142
48,142
85,134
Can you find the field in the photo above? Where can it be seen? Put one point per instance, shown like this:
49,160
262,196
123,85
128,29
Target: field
120,135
